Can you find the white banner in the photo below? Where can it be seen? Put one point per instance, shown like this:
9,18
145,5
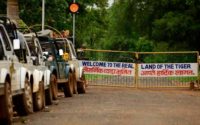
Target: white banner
108,68
167,70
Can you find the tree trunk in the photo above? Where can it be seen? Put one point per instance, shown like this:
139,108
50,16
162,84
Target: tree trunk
13,9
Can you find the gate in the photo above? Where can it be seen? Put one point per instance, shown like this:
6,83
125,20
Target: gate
140,69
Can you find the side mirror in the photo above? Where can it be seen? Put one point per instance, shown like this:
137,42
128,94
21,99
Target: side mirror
16,44
61,52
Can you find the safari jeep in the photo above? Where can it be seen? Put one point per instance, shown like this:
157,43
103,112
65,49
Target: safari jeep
70,56
43,91
27,73
61,71
14,80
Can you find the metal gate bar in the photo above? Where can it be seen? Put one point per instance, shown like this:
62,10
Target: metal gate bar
124,62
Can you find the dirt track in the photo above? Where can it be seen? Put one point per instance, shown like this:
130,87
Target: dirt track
121,106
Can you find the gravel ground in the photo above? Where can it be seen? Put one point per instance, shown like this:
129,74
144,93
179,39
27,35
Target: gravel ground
121,106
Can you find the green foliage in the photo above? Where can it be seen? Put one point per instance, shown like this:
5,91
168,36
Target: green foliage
120,34
183,79
161,47
172,22
175,24
133,25
3,7
173,27
55,13
169,58
144,45
91,23
91,27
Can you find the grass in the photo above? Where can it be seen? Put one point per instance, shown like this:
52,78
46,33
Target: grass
180,79
183,79
96,76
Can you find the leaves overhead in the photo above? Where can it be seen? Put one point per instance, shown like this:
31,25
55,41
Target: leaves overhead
134,25
175,22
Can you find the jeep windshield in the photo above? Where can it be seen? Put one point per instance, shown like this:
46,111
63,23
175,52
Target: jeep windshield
51,48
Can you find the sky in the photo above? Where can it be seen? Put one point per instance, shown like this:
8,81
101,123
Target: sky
110,2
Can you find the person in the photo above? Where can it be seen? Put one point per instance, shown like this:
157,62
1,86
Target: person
50,57
65,33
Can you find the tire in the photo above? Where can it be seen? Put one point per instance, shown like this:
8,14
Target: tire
82,85
38,98
75,91
54,87
49,96
6,106
68,86
24,102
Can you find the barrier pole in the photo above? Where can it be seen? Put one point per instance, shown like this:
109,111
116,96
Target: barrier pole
136,70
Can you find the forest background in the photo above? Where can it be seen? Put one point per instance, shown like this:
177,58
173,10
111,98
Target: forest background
131,25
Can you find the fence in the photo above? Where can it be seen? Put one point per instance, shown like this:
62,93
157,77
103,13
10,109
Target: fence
140,69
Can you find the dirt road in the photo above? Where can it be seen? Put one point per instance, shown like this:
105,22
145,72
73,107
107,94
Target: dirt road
121,106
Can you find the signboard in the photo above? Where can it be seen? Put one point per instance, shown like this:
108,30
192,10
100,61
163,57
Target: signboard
108,68
144,70
167,70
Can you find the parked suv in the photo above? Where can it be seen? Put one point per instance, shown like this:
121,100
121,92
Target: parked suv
61,71
61,59
20,76
74,62
43,94
14,80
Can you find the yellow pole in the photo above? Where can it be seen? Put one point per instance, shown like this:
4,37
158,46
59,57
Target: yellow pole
198,61
136,70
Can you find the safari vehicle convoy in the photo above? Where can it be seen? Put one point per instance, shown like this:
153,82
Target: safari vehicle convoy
32,68
24,77
61,57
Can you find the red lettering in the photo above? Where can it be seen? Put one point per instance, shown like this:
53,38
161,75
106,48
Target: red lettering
184,72
165,72
107,71
148,73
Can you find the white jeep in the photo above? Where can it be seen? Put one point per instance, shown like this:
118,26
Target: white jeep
72,59
20,75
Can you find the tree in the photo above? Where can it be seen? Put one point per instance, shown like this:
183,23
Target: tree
3,6
91,23
88,22
13,9
174,22
121,33
55,13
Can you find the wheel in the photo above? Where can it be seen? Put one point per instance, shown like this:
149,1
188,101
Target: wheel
74,83
6,106
54,87
82,85
24,102
38,98
49,95
68,86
